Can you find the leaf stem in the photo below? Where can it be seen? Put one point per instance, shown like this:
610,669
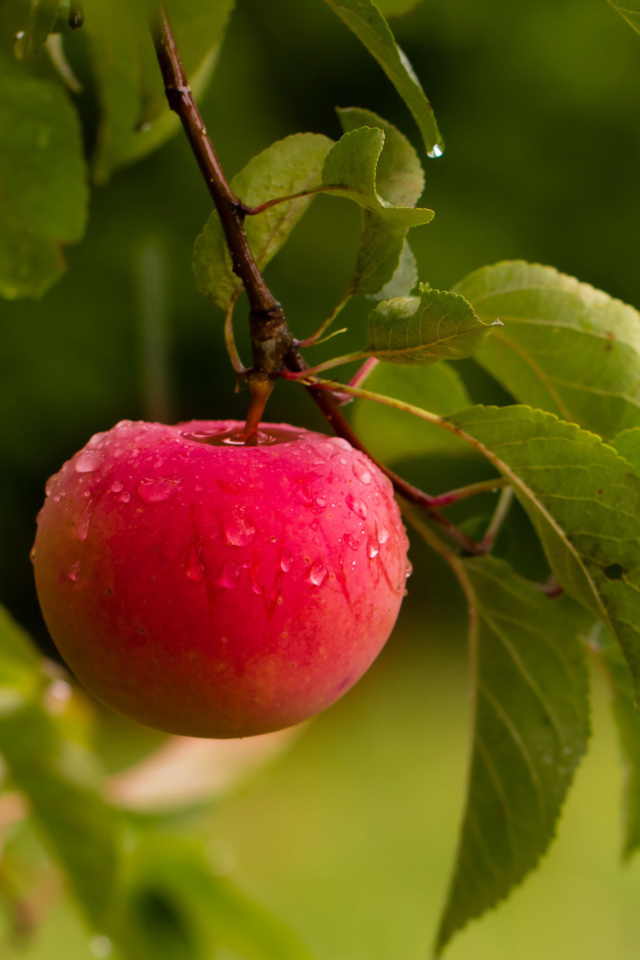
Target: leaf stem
500,514
313,339
229,339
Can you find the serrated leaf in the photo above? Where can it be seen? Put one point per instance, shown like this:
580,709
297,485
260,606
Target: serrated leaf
437,325
530,728
177,909
630,11
627,444
367,22
135,115
43,190
392,438
627,719
286,167
404,279
56,774
350,170
565,347
382,253
584,502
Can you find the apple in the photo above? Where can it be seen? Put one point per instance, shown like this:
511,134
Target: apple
215,588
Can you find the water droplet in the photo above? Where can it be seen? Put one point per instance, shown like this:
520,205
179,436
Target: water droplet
125,497
409,569
117,486
82,529
74,572
435,151
286,561
50,485
372,549
195,567
382,533
351,541
361,471
320,502
88,461
239,530
342,443
358,507
230,575
154,491
318,572
256,582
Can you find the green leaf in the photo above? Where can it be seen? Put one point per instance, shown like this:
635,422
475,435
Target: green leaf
584,502
530,728
43,190
630,11
396,8
42,16
286,167
135,115
435,326
365,20
177,909
392,438
565,347
383,255
627,444
627,720
350,170
404,279
57,774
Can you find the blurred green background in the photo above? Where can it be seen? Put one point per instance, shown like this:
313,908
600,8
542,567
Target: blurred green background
349,836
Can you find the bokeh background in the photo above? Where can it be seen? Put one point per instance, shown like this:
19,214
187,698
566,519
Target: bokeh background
348,835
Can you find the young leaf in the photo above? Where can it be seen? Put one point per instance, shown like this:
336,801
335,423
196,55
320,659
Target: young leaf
565,347
286,167
437,325
584,502
135,115
627,720
56,774
364,18
399,180
627,444
392,438
350,169
630,10
530,728
43,191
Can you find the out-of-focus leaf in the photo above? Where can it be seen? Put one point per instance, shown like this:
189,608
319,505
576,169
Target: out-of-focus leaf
627,718
399,180
175,908
437,325
367,22
392,438
565,347
42,16
135,115
530,731
584,502
350,170
43,191
57,775
630,10
286,167
396,8
405,278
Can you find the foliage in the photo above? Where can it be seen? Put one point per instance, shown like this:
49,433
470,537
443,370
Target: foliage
544,405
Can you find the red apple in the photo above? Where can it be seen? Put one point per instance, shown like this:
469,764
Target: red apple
213,588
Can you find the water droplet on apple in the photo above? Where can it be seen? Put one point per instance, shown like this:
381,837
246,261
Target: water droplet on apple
49,486
318,572
361,471
230,575
358,507
88,461
382,533
372,549
125,497
256,582
351,541
320,502
409,568
155,491
82,529
117,486
74,572
239,530
286,561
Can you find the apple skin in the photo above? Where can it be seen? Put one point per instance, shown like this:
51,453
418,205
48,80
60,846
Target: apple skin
212,588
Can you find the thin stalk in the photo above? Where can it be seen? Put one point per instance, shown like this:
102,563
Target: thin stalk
500,515
314,338
230,341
